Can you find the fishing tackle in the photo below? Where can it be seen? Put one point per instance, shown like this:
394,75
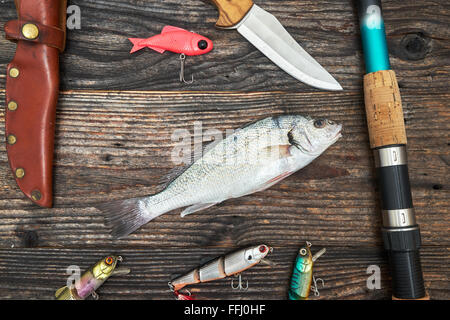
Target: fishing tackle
239,287
387,136
303,281
225,266
176,40
182,62
92,279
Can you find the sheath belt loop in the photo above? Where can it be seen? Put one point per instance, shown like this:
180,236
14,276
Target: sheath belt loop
51,36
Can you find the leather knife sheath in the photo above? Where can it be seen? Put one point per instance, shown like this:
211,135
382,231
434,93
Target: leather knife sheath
32,89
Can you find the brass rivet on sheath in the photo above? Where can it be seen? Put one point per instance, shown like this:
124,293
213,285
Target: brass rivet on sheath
14,72
20,173
11,139
30,31
12,106
36,195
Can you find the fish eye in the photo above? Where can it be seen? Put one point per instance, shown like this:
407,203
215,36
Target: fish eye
109,260
319,123
202,44
303,251
262,249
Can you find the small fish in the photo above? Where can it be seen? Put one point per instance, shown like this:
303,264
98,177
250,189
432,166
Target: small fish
302,276
251,159
225,266
92,279
175,40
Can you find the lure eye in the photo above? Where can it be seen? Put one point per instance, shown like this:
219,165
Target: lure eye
249,258
319,123
262,249
109,260
202,44
303,251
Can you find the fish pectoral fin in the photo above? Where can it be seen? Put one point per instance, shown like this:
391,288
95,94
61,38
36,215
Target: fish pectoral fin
278,152
121,271
196,207
171,29
269,183
157,49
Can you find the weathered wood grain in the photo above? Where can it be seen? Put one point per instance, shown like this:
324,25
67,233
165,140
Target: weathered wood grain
117,145
97,56
37,273
113,141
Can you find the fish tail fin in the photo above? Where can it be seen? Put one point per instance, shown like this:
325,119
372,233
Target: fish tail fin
136,44
64,293
126,216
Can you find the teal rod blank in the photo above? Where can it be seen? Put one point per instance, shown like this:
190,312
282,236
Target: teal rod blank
373,36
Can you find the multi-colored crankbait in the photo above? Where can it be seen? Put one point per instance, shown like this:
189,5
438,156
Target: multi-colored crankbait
231,264
92,279
302,276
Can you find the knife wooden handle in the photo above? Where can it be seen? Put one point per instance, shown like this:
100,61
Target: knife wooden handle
231,12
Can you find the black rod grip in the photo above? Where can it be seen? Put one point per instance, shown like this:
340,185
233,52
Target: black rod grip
395,189
402,246
401,234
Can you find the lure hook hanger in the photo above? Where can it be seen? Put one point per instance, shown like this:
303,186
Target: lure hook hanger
239,286
182,64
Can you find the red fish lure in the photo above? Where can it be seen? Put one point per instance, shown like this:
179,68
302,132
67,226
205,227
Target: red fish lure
176,40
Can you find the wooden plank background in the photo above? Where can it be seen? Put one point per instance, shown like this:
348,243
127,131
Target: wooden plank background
116,115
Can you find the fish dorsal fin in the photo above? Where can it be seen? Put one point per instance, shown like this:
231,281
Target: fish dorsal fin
171,29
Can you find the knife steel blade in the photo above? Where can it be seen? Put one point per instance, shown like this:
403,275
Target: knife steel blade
269,36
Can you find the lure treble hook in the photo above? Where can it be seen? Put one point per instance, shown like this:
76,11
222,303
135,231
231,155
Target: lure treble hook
315,288
182,63
239,286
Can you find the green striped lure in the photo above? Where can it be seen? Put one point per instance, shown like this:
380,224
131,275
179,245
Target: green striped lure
303,280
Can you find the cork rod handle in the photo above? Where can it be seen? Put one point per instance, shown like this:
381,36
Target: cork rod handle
384,109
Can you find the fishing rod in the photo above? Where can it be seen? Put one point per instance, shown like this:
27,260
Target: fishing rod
401,234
